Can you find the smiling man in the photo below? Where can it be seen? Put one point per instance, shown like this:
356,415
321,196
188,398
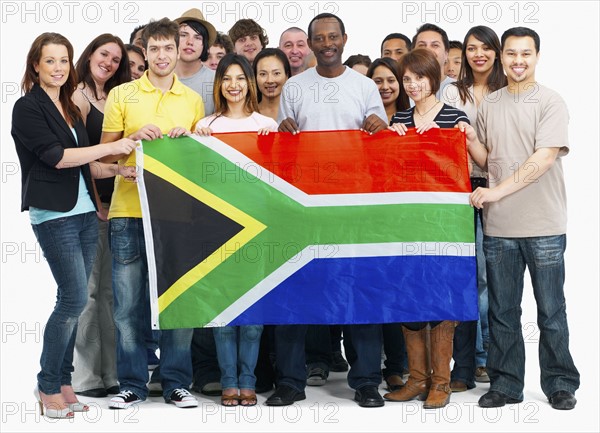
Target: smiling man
156,104
294,43
435,39
248,38
523,137
329,96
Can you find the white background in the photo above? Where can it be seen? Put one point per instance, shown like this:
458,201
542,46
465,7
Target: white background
568,64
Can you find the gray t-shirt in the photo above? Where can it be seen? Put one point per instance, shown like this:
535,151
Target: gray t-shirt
202,82
513,127
319,103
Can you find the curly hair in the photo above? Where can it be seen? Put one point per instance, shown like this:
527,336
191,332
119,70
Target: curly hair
248,27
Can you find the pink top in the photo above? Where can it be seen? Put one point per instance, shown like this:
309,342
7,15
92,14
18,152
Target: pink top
254,122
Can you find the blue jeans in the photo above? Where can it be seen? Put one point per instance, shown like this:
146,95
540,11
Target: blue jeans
204,358
130,279
506,261
363,351
318,347
237,352
394,348
483,329
69,245
471,338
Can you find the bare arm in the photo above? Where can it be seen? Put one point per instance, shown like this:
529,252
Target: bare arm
101,170
477,150
529,172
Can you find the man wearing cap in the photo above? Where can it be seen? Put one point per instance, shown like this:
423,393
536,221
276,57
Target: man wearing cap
196,35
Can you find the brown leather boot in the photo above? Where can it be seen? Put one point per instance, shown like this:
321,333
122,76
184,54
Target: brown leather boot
441,354
416,385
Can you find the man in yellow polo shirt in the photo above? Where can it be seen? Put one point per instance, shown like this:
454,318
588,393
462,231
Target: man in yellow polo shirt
156,104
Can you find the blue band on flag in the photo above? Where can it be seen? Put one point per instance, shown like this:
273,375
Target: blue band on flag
356,294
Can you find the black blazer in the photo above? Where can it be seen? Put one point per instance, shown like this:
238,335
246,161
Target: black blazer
41,135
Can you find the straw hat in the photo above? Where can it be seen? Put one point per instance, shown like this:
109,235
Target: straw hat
196,15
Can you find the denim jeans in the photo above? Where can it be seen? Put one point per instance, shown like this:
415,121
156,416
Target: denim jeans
318,347
506,261
394,349
69,246
237,351
204,358
130,279
463,353
362,345
471,337
483,329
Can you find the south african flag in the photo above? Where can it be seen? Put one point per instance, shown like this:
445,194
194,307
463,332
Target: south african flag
318,228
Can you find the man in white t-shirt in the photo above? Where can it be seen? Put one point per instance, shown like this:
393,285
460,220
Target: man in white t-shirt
523,136
196,36
329,97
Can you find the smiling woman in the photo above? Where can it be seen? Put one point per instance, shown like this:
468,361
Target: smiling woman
103,65
366,25
57,189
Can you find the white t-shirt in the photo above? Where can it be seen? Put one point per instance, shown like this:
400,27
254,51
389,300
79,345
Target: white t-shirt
319,103
254,122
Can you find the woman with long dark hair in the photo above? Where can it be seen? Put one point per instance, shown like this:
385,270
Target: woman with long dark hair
103,64
236,110
384,72
271,69
57,166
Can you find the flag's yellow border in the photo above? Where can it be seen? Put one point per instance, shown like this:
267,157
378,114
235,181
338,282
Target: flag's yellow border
251,228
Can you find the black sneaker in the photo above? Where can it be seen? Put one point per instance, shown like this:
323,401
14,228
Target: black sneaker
124,399
181,397
316,377
338,363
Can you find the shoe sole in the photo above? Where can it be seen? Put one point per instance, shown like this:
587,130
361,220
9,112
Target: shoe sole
116,405
299,397
509,401
184,404
315,381
371,404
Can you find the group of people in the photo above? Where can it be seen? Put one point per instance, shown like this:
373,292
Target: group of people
75,131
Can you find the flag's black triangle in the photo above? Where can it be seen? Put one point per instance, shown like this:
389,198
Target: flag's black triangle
183,225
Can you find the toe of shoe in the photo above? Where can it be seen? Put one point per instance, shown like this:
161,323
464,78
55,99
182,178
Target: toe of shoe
563,400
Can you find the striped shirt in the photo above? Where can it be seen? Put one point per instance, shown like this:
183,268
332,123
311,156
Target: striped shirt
446,118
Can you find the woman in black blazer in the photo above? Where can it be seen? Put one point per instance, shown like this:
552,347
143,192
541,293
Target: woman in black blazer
57,166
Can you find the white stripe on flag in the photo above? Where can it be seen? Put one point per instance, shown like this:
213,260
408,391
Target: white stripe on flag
148,238
317,200
455,249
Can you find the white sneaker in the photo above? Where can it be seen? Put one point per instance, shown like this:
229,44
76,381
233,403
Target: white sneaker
124,399
181,397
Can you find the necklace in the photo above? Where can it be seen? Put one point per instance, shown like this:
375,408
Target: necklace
424,114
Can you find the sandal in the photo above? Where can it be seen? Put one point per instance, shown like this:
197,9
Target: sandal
248,399
230,400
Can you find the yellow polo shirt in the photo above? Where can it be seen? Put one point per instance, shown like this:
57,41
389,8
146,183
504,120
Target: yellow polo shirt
133,105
